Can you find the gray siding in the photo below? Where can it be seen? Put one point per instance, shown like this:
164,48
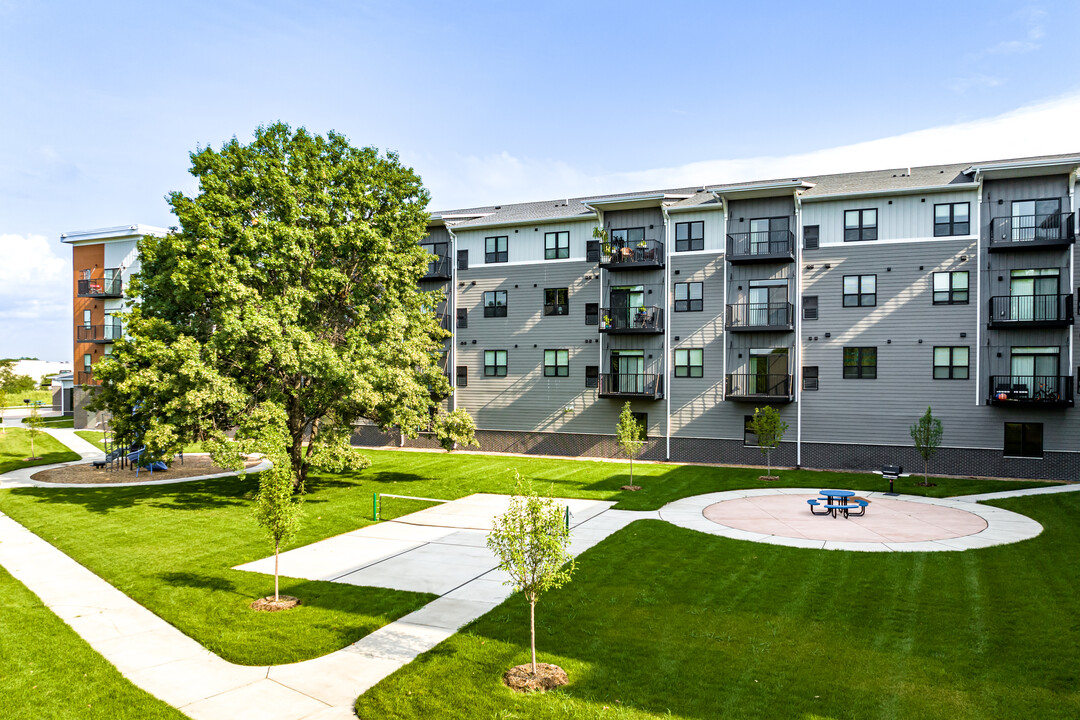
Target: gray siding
697,407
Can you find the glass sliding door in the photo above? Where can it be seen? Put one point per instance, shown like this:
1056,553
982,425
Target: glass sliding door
1035,372
626,302
1036,220
628,371
1034,294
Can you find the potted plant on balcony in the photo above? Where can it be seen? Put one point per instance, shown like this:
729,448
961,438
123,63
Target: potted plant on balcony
605,323
601,234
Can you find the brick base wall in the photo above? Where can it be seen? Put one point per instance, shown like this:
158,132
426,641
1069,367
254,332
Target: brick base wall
818,456
83,418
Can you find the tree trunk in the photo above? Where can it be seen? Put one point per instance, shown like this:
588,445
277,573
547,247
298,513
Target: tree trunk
631,483
532,632
277,544
768,462
926,471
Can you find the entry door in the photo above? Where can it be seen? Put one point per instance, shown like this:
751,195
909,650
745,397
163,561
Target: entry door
1035,370
1035,294
768,235
628,369
768,371
625,302
768,303
1036,219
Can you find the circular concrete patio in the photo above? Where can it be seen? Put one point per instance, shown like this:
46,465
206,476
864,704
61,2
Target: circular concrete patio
781,516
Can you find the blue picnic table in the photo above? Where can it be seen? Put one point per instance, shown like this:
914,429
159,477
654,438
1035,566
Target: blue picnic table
836,502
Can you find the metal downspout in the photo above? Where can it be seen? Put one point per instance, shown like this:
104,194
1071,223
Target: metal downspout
667,331
978,290
451,301
797,364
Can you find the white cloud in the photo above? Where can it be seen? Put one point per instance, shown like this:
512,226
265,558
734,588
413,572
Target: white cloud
1040,129
977,80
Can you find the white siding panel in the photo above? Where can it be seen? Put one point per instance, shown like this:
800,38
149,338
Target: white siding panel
525,243
909,216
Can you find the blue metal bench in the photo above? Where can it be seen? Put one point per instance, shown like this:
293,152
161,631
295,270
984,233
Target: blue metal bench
813,503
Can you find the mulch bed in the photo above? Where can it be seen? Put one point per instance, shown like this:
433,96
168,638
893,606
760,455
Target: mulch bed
87,474
547,677
768,478
269,604
632,488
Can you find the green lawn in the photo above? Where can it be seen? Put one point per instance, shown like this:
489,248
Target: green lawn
660,621
171,547
15,446
48,671
55,422
18,399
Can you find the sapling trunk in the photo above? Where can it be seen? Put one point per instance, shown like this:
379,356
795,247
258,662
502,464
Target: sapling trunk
277,544
532,632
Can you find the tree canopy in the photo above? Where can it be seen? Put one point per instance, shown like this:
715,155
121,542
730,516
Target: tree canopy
287,293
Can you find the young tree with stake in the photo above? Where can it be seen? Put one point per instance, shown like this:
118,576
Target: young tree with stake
630,435
926,432
769,429
532,542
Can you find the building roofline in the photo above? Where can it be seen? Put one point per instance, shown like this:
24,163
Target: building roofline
119,231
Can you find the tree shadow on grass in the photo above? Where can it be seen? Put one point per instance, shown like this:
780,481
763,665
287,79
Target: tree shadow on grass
201,581
106,500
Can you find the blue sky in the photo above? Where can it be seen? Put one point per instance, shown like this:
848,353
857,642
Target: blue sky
498,102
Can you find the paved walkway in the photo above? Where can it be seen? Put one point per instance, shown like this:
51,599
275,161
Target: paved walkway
1049,490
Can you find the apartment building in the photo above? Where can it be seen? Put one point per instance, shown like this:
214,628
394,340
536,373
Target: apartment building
102,262
849,302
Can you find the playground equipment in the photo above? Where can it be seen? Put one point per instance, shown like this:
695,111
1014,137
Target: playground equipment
120,455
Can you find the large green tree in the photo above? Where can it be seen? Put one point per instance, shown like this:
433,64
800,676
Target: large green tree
289,293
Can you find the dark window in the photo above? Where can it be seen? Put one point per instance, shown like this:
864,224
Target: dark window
462,318
592,313
860,225
643,421
860,362
462,259
556,363
592,376
556,302
592,251
809,307
749,438
951,288
688,297
494,363
811,237
810,377
495,303
495,249
627,237
688,363
952,219
462,376
860,290
689,236
950,363
1024,439
556,245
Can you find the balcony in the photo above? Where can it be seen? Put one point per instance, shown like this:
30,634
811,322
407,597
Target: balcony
1032,232
748,387
103,287
760,317
98,333
1031,311
632,321
438,269
760,247
445,320
85,377
647,386
645,255
1031,391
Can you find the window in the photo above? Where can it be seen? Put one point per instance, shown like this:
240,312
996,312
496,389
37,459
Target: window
643,420
556,245
592,251
555,301
592,376
689,236
462,376
749,438
860,362
556,363
860,290
495,303
494,363
592,313
1024,440
951,219
627,237
809,307
951,288
688,363
860,225
86,318
86,362
688,297
495,249
950,363
811,237
810,377
462,259
463,318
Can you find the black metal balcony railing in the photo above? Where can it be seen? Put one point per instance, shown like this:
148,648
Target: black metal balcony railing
760,317
1045,390
99,333
632,385
438,269
1031,232
636,256
762,246
1029,311
756,387
112,287
444,320
86,377
631,321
